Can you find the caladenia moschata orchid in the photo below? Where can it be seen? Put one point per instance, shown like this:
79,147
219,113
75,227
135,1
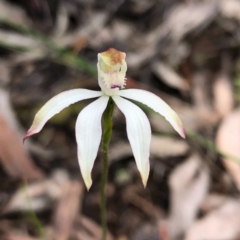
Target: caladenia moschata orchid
112,69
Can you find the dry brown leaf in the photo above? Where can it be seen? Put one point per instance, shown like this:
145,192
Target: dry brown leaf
86,229
37,196
13,156
8,10
17,237
213,201
168,147
62,21
220,224
94,25
189,185
169,76
222,89
174,28
6,108
18,40
202,101
119,151
5,72
121,29
67,209
177,25
149,209
223,96
146,231
228,141
230,9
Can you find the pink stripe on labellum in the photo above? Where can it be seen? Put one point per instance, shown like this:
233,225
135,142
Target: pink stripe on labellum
115,86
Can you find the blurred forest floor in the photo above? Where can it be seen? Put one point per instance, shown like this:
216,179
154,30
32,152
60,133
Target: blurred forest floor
185,51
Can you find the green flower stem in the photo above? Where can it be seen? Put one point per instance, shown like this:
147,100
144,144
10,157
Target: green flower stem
107,133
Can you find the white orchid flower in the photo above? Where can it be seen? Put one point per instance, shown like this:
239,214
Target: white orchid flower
112,69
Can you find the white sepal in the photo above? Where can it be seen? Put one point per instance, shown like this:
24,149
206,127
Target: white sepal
139,134
57,104
157,104
88,136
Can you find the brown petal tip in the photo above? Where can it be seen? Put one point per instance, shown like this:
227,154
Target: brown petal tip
183,133
27,135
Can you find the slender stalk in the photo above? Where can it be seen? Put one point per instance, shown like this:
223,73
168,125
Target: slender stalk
32,215
107,132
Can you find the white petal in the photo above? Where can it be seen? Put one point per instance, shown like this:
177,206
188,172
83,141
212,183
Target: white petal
157,104
139,134
88,135
57,104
